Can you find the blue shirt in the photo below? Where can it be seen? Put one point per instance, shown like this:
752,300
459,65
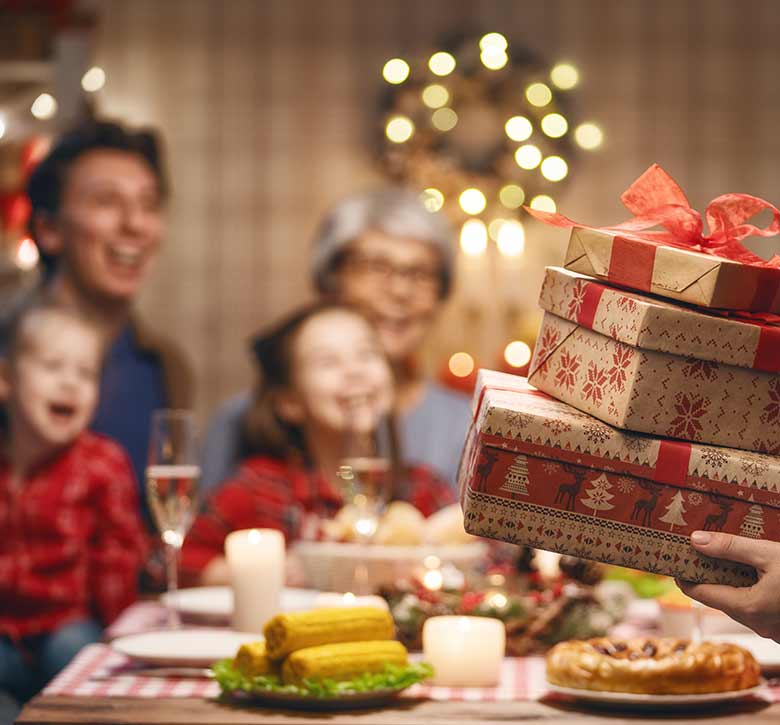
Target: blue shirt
432,434
131,387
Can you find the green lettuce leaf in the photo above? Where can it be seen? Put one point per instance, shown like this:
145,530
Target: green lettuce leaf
393,677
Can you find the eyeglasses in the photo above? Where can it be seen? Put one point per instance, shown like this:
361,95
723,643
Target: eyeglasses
383,270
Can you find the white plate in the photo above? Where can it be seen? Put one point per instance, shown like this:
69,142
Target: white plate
766,651
631,699
216,603
183,647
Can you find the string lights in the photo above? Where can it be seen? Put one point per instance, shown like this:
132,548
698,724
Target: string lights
483,128
483,131
15,123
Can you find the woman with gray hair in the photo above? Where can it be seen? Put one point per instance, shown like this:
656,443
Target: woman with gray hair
384,252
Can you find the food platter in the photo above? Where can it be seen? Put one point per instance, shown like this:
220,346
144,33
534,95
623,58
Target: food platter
635,700
345,701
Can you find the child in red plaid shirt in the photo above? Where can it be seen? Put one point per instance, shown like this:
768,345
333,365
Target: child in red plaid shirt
72,542
323,377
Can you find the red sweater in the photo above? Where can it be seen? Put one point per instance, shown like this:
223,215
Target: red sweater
269,493
72,542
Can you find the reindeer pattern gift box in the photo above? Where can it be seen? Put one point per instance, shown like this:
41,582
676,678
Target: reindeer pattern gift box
536,471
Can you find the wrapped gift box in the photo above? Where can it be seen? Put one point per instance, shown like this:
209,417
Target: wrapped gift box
650,366
673,272
536,471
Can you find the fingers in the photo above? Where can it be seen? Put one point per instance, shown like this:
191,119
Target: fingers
754,552
728,599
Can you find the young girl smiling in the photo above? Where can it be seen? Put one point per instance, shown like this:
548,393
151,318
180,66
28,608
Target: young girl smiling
323,376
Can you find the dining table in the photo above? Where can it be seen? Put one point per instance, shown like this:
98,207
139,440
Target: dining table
102,685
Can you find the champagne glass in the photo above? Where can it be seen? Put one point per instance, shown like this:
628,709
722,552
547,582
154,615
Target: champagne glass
364,478
697,631
172,476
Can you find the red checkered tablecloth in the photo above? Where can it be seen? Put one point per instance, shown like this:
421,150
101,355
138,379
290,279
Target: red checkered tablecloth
99,671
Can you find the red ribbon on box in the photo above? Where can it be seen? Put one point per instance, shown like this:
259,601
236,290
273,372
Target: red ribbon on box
767,355
655,199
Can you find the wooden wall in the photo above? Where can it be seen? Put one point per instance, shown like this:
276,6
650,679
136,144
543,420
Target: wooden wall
267,108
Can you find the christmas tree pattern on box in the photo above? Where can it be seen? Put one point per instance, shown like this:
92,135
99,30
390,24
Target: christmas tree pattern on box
539,472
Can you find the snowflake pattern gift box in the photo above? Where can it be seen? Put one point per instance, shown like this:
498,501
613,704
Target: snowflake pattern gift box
536,471
647,365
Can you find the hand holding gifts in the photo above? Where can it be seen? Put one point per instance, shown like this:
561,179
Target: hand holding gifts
539,472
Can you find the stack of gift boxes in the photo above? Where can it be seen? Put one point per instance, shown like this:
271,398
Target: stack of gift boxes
646,415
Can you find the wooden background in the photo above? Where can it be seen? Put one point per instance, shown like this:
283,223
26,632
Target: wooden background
267,108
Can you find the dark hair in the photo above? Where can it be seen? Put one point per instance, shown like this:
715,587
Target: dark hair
264,432
47,181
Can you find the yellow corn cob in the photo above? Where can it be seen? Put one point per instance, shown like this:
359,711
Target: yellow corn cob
341,661
288,632
251,660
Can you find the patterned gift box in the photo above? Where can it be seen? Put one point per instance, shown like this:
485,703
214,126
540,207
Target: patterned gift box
651,366
679,274
536,471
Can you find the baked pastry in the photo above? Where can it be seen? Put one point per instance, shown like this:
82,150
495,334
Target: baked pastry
651,666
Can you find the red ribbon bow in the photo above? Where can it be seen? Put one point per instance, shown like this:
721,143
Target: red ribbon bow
656,199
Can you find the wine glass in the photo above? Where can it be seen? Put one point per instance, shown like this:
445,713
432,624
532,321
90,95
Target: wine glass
172,477
364,478
697,631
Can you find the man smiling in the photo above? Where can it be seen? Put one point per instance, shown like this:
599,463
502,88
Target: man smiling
97,219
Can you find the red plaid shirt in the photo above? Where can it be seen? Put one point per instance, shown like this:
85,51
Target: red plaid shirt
72,542
268,493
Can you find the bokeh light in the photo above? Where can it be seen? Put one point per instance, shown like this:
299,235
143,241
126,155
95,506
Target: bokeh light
538,94
528,157
542,202
26,254
399,129
589,136
444,119
564,76
493,41
511,196
554,168
493,59
495,227
511,239
44,107
518,128
94,79
433,579
435,96
461,364
472,201
395,71
2,127
517,353
432,199
473,237
554,125
441,63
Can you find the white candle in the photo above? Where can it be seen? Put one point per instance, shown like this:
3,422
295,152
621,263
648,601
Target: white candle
255,559
464,651
334,599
